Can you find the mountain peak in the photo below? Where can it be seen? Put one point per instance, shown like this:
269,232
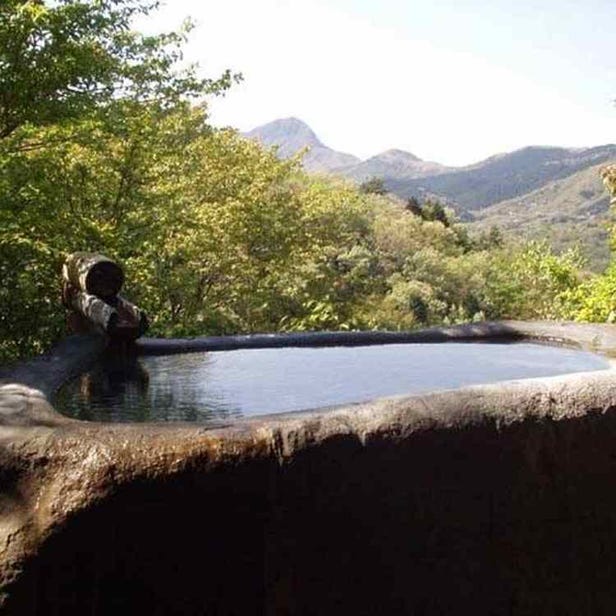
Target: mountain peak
291,134
291,123
395,164
397,155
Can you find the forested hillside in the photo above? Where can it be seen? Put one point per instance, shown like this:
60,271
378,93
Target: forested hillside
536,192
103,149
569,211
473,187
506,176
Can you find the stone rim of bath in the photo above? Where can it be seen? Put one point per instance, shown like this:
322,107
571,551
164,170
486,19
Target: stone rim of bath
38,379
54,467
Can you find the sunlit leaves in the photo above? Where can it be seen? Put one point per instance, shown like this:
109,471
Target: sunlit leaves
62,60
102,148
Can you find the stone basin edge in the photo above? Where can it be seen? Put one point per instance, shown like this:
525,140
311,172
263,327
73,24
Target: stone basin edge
39,378
52,467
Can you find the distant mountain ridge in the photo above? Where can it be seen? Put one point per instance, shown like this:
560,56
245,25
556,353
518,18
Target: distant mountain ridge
473,187
393,165
537,191
567,211
291,135
505,176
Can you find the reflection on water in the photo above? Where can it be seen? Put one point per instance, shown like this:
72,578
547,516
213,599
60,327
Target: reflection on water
120,389
219,386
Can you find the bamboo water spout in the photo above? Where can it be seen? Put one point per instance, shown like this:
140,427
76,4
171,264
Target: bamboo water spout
93,273
91,286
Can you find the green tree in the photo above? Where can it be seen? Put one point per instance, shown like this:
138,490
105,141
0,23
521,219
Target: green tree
433,210
596,299
373,186
83,103
413,206
532,282
609,179
103,148
61,60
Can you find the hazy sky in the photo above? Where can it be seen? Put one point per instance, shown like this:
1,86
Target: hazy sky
453,81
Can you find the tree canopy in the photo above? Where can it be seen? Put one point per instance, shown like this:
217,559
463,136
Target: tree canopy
105,146
61,60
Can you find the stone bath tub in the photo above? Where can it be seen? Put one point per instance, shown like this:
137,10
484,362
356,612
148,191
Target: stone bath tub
489,499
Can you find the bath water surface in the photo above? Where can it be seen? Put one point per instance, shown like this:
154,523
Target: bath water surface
224,385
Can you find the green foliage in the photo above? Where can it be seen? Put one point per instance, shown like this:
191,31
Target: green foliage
64,59
373,186
533,283
102,150
429,210
90,114
219,236
609,179
414,207
433,210
493,238
596,299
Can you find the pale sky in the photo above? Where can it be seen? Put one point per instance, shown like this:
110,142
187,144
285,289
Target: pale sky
453,81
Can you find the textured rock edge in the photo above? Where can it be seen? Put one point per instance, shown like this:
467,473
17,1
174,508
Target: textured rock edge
52,467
